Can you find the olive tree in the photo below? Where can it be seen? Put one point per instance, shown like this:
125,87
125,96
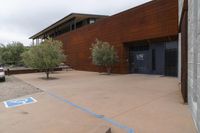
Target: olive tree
44,56
103,54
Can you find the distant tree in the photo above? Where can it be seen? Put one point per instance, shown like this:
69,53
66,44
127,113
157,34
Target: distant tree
10,54
44,56
1,52
103,54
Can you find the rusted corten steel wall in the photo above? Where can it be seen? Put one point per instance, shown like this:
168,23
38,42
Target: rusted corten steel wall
156,19
184,51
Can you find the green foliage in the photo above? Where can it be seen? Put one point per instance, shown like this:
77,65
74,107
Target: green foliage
11,53
103,54
44,56
1,51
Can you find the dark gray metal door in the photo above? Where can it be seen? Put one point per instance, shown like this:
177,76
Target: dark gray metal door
141,61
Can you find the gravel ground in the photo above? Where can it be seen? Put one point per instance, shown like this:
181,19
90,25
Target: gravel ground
14,88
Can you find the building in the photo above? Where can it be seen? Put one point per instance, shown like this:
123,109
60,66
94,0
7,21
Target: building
145,38
69,23
158,37
189,38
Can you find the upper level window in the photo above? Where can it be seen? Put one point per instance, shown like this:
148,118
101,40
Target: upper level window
92,21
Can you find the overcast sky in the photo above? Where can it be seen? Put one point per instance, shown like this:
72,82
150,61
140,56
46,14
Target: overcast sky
20,19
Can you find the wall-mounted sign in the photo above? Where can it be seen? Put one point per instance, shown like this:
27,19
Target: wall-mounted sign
140,56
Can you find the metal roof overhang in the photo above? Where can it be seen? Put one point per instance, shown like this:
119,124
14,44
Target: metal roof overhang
76,16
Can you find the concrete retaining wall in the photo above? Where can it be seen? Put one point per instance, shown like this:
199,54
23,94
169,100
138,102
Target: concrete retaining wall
23,71
193,58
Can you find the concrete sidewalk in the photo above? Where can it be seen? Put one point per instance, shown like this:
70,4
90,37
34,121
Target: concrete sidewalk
147,103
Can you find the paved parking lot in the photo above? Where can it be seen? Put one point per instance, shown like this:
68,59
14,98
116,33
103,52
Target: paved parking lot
146,103
14,87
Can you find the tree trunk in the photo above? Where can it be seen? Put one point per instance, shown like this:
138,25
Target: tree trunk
47,72
108,68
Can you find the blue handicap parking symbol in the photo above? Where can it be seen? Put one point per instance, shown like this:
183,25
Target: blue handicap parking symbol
19,102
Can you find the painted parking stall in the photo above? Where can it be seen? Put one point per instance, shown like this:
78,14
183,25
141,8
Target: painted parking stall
19,102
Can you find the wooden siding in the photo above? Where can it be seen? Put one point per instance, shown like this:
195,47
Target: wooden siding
155,19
